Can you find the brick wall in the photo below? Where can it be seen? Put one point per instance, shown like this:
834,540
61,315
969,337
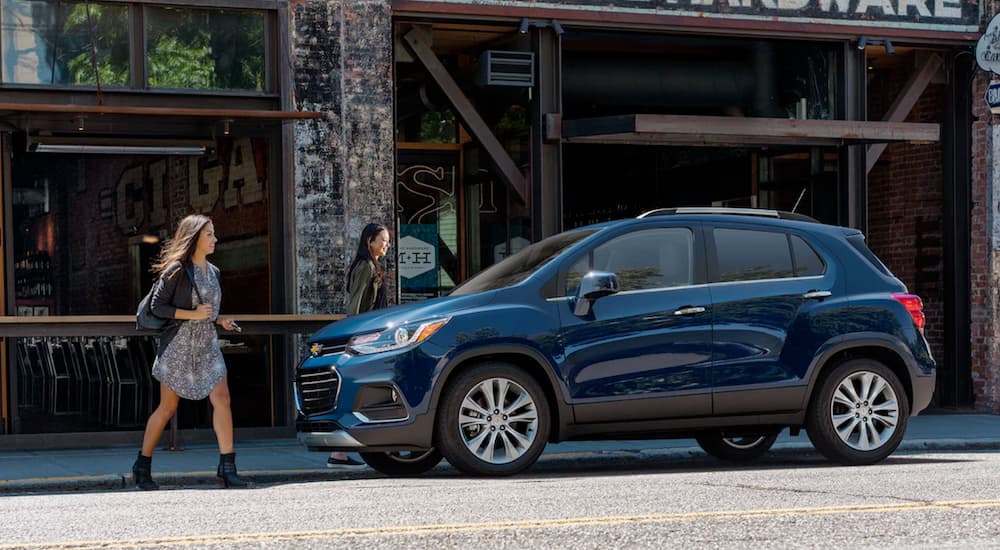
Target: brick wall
985,252
905,201
343,163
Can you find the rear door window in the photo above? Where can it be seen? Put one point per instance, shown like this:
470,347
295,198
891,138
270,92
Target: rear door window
748,255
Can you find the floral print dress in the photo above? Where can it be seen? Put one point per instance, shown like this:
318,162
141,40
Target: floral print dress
192,363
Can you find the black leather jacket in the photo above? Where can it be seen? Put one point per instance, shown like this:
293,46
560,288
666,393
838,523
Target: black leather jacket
173,292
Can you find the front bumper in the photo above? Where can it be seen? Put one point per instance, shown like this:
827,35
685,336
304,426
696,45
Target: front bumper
369,403
329,440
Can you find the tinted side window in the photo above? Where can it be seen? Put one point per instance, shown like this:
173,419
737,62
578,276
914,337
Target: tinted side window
746,255
807,262
645,259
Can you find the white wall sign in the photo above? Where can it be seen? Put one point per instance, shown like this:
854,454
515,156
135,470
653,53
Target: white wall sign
988,48
416,257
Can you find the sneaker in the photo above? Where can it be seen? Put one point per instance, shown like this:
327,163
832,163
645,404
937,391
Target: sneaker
334,462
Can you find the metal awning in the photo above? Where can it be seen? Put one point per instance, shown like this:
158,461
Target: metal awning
139,118
639,129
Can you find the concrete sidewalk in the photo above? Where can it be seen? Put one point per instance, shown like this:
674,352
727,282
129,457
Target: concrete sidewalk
271,461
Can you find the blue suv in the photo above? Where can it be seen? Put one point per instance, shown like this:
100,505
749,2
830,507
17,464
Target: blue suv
724,325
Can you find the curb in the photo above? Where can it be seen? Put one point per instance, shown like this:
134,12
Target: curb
205,478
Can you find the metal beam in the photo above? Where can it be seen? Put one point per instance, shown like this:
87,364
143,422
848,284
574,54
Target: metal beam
901,107
419,40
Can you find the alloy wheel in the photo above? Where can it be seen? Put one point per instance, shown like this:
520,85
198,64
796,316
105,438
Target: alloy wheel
498,420
864,411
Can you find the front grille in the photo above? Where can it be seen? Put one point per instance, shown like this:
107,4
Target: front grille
321,349
332,349
316,390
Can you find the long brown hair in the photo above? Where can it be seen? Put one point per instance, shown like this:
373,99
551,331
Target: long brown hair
181,247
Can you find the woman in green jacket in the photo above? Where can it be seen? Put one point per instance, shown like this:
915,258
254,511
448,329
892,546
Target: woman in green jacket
365,277
366,292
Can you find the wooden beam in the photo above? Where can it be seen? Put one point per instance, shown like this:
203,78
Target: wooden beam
901,107
719,130
419,40
157,111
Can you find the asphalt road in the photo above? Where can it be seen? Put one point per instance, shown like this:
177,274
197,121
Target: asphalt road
913,500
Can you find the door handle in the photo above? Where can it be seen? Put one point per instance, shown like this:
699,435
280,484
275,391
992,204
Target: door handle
817,294
689,310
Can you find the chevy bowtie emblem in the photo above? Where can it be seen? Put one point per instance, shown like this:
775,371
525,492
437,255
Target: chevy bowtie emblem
315,349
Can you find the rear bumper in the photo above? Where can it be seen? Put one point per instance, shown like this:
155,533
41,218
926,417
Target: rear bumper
923,389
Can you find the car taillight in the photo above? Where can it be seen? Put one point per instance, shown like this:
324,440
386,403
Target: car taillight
915,306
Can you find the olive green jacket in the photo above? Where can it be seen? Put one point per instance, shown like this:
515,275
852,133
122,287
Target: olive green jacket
362,287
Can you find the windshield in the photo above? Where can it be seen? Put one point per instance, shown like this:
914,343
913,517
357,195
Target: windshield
518,267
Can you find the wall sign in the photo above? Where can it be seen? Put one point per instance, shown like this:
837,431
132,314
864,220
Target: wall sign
993,97
418,260
937,15
988,47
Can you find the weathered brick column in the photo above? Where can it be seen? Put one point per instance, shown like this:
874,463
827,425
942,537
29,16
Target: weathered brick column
343,163
985,253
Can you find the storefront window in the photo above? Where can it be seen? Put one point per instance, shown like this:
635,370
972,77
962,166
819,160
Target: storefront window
49,42
427,195
86,229
205,49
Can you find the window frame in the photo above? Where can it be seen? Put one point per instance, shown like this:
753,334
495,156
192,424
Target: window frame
138,60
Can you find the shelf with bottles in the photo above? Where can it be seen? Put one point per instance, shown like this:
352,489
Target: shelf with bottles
33,275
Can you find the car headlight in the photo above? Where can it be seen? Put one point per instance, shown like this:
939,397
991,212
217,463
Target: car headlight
394,338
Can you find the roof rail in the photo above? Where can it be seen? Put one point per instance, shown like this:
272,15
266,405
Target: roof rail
761,212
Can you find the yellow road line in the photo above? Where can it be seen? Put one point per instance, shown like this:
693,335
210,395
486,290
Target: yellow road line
237,538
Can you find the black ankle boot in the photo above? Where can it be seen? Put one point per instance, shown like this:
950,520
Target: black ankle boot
228,475
142,473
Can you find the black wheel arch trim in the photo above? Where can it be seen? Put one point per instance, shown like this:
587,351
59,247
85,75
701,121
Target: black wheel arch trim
846,342
447,365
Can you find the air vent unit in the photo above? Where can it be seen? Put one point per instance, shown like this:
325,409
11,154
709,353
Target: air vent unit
502,68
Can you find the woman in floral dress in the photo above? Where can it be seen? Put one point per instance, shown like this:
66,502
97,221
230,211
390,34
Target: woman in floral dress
189,363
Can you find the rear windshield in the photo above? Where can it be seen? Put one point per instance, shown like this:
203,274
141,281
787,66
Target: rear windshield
858,242
518,267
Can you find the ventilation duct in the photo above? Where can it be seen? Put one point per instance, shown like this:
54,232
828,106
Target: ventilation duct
506,68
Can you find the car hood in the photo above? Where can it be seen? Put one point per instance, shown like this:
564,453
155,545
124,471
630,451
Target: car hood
415,311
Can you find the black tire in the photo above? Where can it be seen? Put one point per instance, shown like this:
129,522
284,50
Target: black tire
884,416
403,464
520,437
736,448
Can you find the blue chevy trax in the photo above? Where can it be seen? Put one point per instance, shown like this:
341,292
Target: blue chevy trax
724,325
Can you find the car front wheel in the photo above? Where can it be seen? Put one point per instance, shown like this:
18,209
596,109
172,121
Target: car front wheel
493,420
736,448
403,463
859,413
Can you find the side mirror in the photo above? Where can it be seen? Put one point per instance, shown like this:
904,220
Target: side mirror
594,285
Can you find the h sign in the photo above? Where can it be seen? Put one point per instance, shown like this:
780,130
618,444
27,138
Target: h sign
416,257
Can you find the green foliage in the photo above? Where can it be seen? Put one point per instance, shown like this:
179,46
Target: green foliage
438,127
205,49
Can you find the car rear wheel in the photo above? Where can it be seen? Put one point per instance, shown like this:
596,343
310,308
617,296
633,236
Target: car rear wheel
858,413
736,448
493,420
403,463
